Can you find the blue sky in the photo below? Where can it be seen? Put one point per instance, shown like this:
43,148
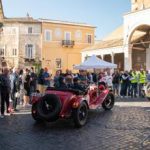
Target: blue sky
106,15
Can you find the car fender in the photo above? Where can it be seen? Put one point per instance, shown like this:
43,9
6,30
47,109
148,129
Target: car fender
99,99
78,100
86,101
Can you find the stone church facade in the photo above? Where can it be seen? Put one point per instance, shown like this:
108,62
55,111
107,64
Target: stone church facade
129,45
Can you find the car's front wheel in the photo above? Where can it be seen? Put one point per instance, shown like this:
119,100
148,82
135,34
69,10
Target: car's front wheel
80,115
109,102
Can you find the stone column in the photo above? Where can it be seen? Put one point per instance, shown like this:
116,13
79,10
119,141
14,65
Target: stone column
112,57
128,58
102,55
148,59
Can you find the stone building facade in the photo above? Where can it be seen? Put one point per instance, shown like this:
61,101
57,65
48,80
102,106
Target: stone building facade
139,5
62,43
54,44
20,41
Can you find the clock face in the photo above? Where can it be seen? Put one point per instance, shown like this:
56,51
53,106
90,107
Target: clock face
58,32
78,34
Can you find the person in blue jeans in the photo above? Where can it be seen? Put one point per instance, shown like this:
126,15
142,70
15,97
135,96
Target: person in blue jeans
124,84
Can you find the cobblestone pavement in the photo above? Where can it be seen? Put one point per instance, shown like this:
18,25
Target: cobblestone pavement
123,128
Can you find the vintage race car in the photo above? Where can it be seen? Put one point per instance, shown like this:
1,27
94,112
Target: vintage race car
70,103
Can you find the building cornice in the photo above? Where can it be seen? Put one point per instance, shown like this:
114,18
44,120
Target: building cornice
21,20
65,23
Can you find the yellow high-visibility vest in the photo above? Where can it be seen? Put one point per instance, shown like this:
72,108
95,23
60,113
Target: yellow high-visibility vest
135,78
142,77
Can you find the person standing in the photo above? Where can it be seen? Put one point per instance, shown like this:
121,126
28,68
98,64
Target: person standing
41,81
33,80
94,77
124,83
26,87
47,78
102,80
109,80
142,81
89,77
148,76
14,82
5,91
56,78
116,82
21,86
134,82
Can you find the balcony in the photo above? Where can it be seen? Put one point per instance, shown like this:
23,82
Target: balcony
29,60
67,43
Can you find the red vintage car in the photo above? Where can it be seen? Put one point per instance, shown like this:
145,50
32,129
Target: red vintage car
70,103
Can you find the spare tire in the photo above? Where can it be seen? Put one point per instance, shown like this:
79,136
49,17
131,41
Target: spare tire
49,107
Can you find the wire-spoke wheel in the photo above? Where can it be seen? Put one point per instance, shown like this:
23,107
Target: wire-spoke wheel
80,115
109,102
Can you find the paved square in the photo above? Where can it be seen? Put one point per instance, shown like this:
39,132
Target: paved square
126,127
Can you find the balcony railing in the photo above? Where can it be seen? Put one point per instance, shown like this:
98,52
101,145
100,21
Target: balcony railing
29,59
68,43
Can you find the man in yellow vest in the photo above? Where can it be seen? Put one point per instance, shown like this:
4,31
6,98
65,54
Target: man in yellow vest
134,82
142,81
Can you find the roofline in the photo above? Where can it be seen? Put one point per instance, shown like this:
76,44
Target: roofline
24,21
65,23
47,20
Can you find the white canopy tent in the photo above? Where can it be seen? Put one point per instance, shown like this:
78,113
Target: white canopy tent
95,63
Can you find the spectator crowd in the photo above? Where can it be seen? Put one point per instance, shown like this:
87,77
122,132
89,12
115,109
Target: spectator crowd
17,86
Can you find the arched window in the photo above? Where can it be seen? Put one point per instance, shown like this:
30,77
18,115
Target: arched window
29,51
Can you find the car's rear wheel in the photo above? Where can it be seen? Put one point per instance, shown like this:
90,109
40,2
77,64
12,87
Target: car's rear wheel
80,115
35,114
109,102
49,107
